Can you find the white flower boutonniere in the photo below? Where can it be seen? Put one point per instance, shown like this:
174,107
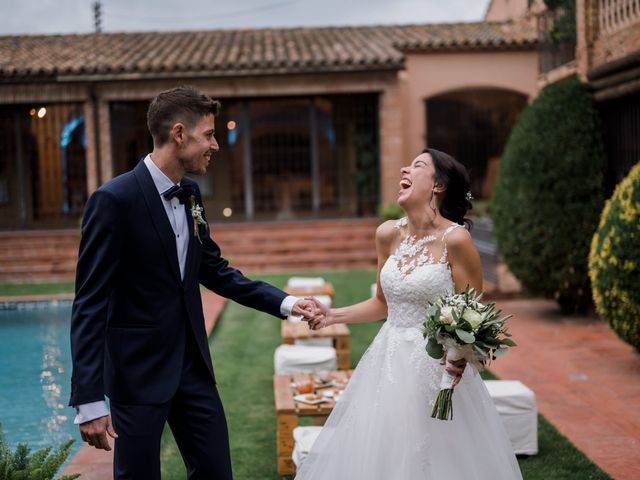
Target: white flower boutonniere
196,214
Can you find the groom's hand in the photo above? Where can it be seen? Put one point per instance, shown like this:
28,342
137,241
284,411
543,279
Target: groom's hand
321,318
95,432
305,308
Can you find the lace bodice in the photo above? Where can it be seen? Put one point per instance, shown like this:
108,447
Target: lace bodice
415,275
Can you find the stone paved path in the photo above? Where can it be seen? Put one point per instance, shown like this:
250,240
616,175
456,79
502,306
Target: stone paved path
586,381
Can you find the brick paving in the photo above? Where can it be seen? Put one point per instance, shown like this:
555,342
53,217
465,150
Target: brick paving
586,380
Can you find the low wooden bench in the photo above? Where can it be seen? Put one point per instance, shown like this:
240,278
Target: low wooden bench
292,331
289,411
326,289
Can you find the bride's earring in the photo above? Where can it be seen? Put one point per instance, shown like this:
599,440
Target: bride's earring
431,206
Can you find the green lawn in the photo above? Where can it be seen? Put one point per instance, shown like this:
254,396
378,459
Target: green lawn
242,349
44,288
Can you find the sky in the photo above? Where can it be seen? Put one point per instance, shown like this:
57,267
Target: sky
76,16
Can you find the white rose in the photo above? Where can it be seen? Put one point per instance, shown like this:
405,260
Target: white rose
474,318
446,315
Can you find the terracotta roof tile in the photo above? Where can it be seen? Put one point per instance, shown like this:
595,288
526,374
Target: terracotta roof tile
245,52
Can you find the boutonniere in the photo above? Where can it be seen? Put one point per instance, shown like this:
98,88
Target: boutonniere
196,214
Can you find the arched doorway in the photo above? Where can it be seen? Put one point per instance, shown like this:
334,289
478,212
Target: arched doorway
473,125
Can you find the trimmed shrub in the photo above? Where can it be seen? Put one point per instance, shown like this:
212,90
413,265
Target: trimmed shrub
41,465
390,211
549,193
614,261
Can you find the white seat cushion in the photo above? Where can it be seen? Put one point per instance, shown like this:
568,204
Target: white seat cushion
314,342
302,358
304,438
306,282
516,405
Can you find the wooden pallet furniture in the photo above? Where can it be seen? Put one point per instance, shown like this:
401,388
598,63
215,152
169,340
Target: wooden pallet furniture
326,289
289,411
292,331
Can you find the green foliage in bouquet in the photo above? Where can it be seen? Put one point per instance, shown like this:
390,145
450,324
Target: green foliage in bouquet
614,260
463,318
41,465
390,211
549,192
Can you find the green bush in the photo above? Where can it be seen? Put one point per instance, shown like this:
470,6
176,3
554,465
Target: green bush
390,211
615,258
549,193
41,465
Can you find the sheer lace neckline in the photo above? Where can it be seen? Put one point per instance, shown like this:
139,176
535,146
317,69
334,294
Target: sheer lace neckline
414,252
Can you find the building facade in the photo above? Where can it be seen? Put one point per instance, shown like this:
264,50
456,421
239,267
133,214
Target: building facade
316,122
598,41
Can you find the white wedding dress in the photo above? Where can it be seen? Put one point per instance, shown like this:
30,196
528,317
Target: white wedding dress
381,428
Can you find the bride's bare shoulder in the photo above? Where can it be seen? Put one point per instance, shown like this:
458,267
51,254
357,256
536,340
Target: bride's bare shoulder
386,232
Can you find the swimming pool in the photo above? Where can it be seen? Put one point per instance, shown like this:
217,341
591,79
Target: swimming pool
35,372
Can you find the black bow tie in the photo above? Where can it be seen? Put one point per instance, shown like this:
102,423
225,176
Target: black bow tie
181,192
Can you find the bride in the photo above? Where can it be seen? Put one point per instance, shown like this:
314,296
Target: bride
381,428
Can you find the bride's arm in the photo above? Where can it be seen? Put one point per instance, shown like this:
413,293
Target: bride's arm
374,308
464,259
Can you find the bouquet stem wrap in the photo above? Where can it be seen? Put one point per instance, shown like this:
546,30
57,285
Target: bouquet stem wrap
443,406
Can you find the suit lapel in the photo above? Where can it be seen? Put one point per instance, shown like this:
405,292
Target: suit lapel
191,247
190,263
158,216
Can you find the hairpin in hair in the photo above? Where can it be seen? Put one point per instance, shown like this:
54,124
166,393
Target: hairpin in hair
469,197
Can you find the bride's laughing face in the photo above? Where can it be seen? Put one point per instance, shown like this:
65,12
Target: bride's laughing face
417,182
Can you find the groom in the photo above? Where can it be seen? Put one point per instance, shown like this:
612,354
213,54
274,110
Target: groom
137,331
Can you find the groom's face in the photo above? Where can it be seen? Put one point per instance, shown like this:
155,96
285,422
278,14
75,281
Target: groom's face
199,146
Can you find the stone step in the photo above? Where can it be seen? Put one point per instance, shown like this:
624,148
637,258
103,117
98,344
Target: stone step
43,255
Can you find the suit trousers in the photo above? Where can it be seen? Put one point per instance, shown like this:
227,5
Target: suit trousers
196,418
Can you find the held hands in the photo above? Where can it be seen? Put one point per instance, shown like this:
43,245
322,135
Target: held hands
454,367
323,318
95,432
305,308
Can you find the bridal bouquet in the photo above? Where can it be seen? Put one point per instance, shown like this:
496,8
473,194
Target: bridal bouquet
459,326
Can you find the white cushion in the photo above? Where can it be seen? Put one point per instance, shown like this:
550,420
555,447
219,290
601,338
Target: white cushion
304,438
516,405
306,282
314,342
302,358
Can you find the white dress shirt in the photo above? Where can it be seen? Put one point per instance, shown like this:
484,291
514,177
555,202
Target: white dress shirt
178,219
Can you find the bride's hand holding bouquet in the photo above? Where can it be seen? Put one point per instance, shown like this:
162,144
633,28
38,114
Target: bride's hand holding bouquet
459,327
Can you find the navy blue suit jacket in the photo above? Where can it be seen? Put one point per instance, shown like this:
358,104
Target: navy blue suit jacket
131,306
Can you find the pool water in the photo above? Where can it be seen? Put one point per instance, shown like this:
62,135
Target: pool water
35,373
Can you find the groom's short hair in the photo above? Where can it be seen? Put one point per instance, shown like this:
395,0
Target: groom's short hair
181,104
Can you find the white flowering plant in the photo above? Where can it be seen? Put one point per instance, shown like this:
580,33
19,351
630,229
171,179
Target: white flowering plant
459,326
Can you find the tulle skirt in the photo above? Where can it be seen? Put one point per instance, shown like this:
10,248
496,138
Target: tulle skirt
381,428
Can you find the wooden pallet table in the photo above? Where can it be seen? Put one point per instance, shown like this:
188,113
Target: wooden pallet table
289,411
292,331
326,289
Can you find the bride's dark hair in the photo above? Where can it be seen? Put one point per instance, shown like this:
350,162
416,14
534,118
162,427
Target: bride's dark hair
454,176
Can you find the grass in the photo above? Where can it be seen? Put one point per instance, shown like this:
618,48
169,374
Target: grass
44,288
242,348
557,458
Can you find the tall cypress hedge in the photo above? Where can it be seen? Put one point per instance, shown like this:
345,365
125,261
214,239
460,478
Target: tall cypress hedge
549,194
